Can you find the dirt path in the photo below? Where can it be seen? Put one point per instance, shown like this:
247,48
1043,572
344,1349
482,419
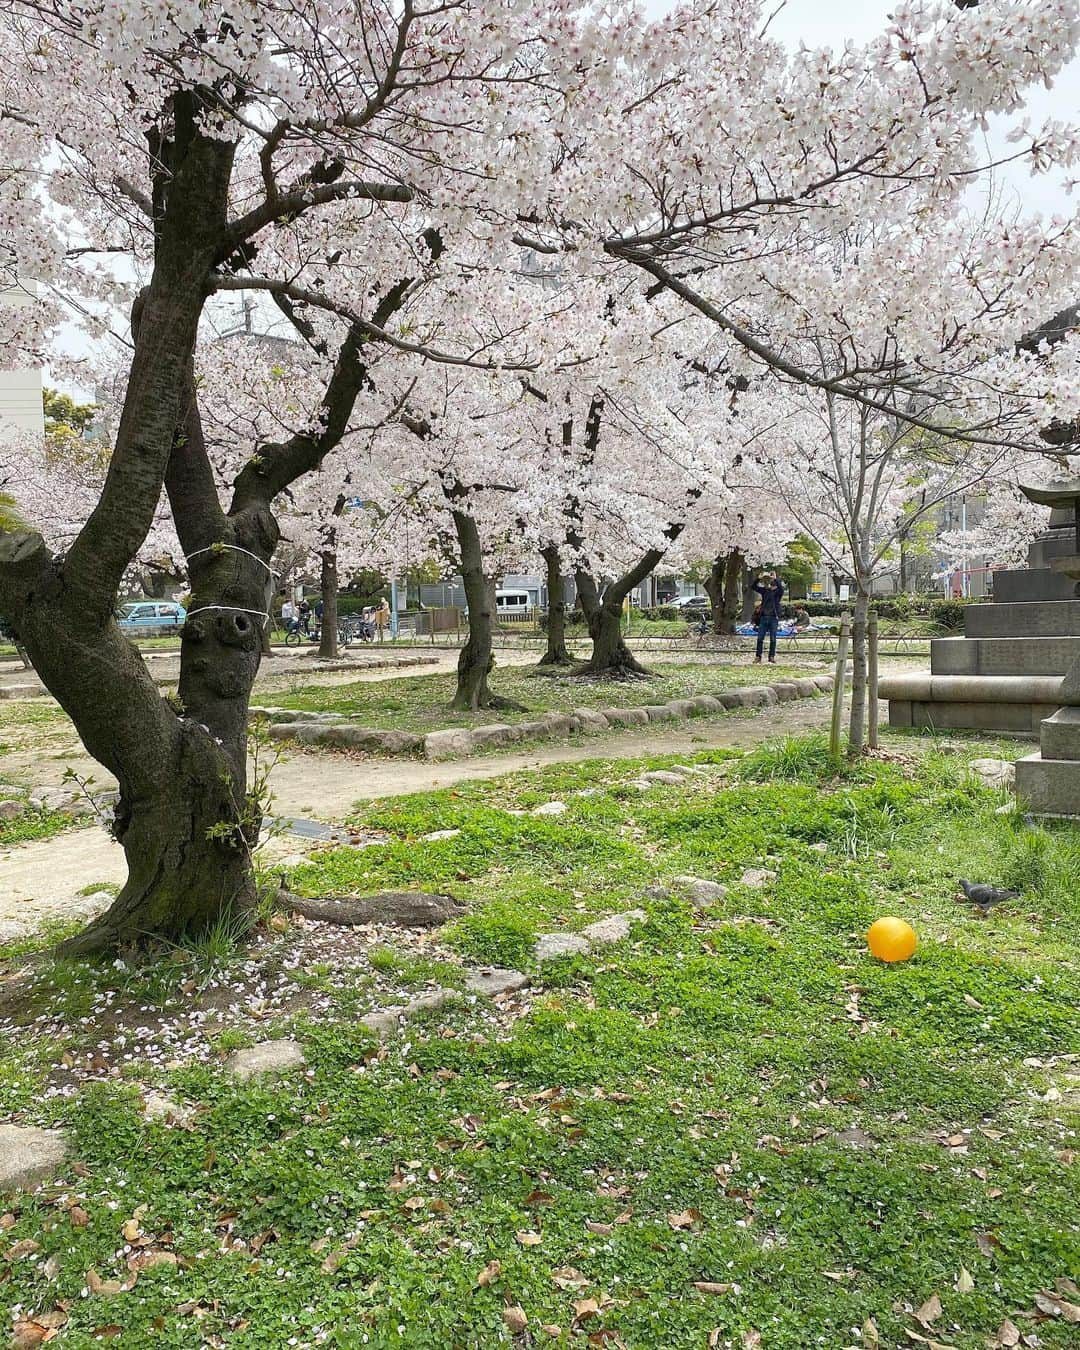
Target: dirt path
40,882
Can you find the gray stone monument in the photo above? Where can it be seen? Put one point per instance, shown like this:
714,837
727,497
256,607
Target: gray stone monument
1018,661
1049,780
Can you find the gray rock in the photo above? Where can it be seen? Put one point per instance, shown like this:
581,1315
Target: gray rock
375,739
306,732
682,707
786,691
626,717
731,698
995,773
11,808
663,776
448,744
807,688
612,929
29,1156
699,891
533,731
549,809
387,1021
823,682
659,712
560,724
383,1023
760,696
496,734
429,1001
591,722
550,946
435,836
21,690
705,705
157,1107
266,1057
688,770
494,982
756,877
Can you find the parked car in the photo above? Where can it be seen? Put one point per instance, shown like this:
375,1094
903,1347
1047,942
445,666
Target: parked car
151,618
693,603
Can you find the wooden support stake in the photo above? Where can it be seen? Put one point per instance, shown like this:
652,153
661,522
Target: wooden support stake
872,681
838,688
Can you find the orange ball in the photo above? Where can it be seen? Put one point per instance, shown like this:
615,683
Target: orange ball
891,939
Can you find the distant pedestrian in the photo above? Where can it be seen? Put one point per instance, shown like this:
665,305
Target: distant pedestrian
382,617
320,609
288,615
771,589
303,613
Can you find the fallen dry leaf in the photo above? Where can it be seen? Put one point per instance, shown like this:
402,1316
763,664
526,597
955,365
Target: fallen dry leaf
78,1216
1055,1306
491,1272
551,1329
529,1239
751,1339
515,1318
566,1277
927,1340
130,1230
97,1285
1008,1335
603,1229
26,1335
585,1308
23,1248
964,1283
711,1287
148,1260
870,1334
685,1218
930,1310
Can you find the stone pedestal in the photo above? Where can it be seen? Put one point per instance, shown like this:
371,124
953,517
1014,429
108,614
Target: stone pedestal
1017,663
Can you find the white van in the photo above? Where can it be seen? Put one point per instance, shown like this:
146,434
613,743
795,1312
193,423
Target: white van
512,604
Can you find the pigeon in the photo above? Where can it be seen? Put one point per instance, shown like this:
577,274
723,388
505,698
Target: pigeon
985,897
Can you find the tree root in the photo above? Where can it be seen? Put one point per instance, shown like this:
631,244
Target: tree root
406,909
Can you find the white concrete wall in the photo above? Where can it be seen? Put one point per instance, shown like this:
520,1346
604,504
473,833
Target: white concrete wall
20,390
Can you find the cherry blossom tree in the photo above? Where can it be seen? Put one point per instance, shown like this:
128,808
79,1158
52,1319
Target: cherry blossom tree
209,150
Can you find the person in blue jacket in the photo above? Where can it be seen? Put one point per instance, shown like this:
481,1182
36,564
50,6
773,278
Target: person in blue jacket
771,589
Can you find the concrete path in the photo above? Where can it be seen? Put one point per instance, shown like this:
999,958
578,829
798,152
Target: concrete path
40,882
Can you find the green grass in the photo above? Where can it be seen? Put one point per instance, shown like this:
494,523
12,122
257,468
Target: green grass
421,703
665,1111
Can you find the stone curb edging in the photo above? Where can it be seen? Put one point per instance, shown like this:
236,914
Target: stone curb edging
459,742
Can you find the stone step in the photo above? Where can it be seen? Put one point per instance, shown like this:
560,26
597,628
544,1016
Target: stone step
1032,584
1033,618
1016,703
1003,655
1059,735
1049,787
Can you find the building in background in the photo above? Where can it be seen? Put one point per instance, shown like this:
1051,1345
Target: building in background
20,390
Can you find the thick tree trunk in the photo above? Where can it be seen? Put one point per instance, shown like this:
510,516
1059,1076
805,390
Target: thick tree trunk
857,721
477,660
611,658
722,588
555,653
749,595
328,581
